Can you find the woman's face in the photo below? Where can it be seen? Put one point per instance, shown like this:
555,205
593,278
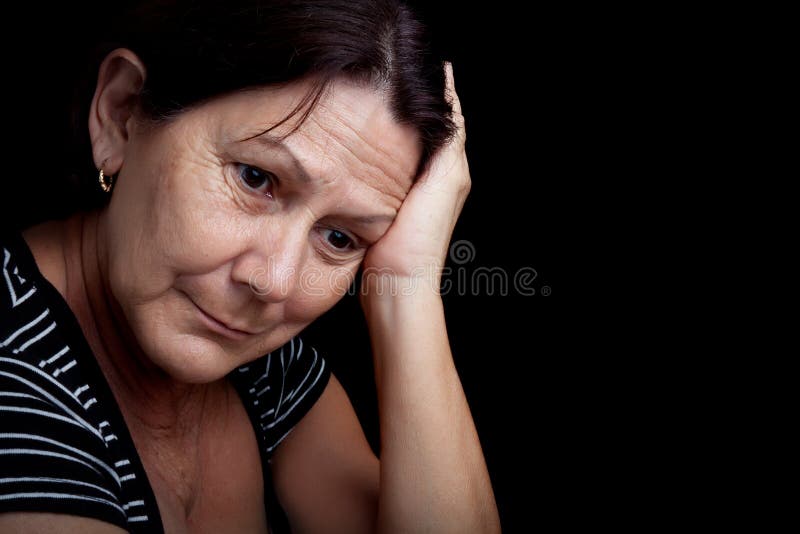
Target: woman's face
205,230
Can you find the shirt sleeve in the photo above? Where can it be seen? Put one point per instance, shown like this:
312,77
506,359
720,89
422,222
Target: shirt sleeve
51,460
281,387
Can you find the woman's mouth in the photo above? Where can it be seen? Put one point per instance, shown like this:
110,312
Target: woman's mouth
217,326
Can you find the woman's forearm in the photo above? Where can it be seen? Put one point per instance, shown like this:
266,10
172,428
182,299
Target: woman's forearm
433,474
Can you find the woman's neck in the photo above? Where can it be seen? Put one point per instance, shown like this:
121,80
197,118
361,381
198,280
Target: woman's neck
150,399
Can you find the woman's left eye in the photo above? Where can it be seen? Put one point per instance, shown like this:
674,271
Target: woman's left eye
256,179
338,240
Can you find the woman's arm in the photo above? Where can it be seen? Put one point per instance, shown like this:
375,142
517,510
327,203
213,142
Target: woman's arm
55,523
433,474
431,477
325,474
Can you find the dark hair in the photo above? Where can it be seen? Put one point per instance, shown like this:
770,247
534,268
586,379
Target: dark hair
196,50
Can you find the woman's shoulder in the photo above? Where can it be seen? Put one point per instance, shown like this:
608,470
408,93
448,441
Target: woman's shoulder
46,243
35,251
67,446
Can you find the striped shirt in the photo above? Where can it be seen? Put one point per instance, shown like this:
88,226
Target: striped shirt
64,445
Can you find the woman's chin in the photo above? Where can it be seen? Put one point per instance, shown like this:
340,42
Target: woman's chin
193,359
191,352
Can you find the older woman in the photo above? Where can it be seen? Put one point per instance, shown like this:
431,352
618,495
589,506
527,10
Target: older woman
252,159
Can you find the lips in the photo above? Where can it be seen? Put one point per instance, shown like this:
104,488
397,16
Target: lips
218,324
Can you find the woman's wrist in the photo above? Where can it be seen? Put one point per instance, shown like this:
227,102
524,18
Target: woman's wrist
387,289
400,300
406,326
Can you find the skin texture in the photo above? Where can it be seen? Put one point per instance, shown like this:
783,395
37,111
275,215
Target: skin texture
184,232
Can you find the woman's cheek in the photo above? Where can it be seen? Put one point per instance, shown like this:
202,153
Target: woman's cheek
341,278
313,296
311,285
207,237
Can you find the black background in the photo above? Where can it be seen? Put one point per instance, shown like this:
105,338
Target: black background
531,84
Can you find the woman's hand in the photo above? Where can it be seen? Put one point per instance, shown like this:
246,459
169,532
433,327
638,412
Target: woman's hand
415,246
433,476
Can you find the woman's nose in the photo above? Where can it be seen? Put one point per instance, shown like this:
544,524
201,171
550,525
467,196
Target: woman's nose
271,267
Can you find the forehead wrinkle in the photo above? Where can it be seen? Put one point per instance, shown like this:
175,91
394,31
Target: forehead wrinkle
357,189
309,151
395,158
395,174
341,169
310,147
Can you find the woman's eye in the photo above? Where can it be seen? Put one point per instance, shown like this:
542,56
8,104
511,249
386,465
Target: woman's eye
257,179
338,240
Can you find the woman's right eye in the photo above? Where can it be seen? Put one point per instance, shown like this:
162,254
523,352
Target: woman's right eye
256,179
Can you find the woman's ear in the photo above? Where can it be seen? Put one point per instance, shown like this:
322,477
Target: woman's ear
111,114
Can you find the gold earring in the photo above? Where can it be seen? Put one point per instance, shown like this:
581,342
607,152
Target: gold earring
106,185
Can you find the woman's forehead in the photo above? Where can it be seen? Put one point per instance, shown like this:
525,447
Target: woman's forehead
350,132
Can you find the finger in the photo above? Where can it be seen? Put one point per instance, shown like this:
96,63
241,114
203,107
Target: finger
450,88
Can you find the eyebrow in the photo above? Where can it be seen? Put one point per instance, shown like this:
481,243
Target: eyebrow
272,141
305,177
